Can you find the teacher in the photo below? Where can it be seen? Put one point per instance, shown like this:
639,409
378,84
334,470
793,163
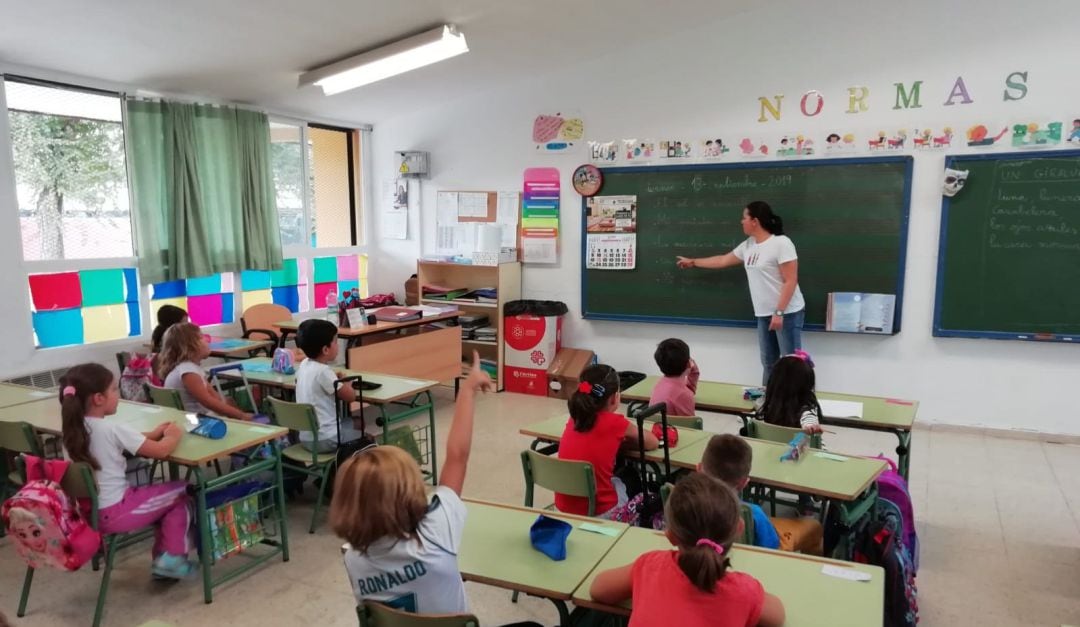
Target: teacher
772,270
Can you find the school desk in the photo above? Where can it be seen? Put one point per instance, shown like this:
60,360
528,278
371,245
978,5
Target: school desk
195,452
811,598
234,347
496,551
411,396
408,349
11,394
891,415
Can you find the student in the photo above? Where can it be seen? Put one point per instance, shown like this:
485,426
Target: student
680,380
167,315
88,393
728,458
184,348
789,398
315,385
691,586
402,545
595,433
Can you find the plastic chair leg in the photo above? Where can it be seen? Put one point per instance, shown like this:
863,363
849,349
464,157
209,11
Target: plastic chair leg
27,580
323,481
514,597
110,555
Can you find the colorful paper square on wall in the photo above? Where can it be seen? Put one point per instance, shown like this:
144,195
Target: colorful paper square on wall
208,300
286,287
343,272
72,308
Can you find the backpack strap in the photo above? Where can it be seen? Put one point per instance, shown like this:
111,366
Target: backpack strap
41,468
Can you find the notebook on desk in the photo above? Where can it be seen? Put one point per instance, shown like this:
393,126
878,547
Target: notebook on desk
397,314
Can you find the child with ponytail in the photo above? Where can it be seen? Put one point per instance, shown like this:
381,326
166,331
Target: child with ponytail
594,433
89,393
691,586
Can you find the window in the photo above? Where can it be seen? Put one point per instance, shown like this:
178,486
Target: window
70,176
333,198
286,287
208,300
83,307
335,275
287,162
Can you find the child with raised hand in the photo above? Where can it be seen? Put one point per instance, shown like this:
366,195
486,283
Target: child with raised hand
183,350
594,433
681,374
691,586
789,398
402,544
89,393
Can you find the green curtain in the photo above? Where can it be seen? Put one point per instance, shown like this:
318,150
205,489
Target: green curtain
203,191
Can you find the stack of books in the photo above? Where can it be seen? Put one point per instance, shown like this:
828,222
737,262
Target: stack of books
439,292
486,334
470,323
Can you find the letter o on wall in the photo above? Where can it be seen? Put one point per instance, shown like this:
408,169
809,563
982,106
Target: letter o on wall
814,95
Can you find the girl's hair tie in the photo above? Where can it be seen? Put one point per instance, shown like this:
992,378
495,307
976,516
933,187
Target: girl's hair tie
719,548
592,389
803,355
69,390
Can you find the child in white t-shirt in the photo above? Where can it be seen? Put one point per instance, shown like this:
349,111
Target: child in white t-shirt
315,385
184,349
402,545
89,393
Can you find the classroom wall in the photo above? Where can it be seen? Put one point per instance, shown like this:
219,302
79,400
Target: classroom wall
705,80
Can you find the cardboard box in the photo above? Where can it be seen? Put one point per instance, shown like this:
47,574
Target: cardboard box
565,372
531,343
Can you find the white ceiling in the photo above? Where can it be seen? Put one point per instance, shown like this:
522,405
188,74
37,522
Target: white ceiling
252,51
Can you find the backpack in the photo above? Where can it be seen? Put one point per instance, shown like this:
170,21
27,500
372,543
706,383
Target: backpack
893,488
45,524
880,545
137,374
283,361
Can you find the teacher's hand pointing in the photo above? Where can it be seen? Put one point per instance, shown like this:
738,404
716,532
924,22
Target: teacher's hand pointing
684,262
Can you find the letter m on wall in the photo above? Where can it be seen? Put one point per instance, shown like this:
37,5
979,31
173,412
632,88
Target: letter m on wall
907,99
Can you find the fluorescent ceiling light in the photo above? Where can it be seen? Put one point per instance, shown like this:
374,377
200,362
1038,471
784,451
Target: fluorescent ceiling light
389,60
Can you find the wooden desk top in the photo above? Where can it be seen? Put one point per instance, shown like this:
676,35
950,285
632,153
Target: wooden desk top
496,550
378,327
11,394
393,387
878,412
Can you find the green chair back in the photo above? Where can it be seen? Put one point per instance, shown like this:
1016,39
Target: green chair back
665,492
573,478
165,397
684,422
764,431
19,437
372,614
748,525
294,416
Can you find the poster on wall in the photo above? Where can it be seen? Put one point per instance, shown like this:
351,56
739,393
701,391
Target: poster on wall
611,214
557,133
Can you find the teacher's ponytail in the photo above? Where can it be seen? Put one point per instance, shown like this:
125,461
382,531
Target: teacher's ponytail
763,213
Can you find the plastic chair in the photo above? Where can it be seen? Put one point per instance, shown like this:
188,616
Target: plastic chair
164,397
748,525
122,359
685,422
78,483
261,319
17,437
558,475
301,417
762,430
373,614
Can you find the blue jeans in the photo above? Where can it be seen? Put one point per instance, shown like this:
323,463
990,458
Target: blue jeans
774,344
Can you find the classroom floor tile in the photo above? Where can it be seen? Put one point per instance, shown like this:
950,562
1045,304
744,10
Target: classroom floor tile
999,524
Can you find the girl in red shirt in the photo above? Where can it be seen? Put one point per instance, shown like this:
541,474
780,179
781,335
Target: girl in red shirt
691,586
595,433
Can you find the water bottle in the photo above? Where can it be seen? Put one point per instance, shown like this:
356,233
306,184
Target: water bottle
331,308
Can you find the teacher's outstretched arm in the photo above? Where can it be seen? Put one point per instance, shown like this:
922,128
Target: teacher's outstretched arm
789,272
716,261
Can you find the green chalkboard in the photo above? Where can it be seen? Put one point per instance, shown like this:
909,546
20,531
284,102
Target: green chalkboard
847,217
1009,251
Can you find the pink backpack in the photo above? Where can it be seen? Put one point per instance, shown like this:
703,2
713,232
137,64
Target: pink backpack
45,524
892,487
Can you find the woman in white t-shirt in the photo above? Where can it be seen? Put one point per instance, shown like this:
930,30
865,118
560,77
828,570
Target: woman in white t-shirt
772,269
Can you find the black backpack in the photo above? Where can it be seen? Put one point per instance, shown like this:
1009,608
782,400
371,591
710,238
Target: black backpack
879,543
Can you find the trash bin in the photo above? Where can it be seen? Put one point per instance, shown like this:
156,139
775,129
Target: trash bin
533,335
